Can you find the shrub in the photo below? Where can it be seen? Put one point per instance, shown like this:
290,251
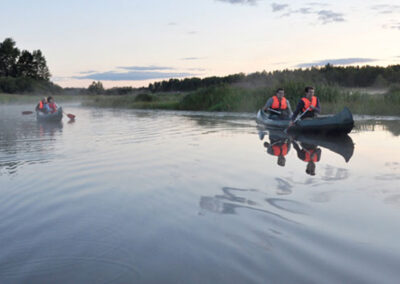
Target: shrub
143,98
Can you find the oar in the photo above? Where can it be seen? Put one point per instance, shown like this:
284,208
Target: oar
278,112
297,119
70,115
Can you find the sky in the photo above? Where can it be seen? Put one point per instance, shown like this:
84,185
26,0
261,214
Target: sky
134,43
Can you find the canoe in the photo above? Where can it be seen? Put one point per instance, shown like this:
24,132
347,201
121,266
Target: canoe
339,123
51,117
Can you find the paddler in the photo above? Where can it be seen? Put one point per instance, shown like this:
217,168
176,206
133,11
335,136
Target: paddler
308,105
278,106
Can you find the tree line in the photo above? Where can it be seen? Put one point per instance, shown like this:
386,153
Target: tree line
348,76
23,71
328,75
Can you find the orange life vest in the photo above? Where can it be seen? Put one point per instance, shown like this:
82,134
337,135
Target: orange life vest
279,105
311,155
280,150
307,103
53,107
41,105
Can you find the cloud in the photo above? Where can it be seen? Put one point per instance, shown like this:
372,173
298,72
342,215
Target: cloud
145,68
340,61
324,16
317,4
87,72
386,9
60,78
393,26
304,11
133,75
201,69
278,7
328,16
246,2
192,32
172,24
191,58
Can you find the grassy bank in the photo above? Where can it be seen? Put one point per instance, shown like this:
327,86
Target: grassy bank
142,101
236,99
34,99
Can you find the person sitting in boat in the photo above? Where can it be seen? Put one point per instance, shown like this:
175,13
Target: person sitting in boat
42,106
278,147
308,153
308,105
278,106
52,105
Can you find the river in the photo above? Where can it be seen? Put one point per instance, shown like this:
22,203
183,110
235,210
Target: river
134,196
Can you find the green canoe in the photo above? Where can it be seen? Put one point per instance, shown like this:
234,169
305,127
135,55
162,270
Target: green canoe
339,123
54,117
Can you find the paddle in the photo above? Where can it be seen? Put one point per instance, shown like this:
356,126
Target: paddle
70,115
278,112
297,119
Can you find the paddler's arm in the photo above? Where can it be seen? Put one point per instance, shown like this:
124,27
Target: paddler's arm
290,113
268,104
300,153
317,109
299,107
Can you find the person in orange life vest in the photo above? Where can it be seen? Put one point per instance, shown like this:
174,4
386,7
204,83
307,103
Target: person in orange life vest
310,103
52,104
278,147
308,153
278,106
42,106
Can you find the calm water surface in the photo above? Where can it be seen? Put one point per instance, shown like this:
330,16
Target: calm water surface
125,196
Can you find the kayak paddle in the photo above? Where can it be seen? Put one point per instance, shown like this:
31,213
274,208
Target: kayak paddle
270,109
297,119
70,115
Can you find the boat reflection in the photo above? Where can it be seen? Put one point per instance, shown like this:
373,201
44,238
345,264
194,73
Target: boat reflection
49,128
278,146
308,147
26,143
308,153
233,199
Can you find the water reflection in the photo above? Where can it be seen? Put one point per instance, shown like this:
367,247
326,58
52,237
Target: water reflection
279,147
308,153
232,199
26,142
307,147
393,126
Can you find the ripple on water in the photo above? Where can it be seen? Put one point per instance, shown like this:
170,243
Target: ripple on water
169,197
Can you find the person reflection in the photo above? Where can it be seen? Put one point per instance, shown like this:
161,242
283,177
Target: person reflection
308,153
278,147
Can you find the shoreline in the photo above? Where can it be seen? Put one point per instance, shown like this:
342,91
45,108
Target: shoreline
220,99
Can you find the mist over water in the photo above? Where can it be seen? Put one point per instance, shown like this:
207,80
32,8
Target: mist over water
131,196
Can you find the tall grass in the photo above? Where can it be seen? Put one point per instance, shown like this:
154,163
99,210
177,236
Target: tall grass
140,101
240,99
35,98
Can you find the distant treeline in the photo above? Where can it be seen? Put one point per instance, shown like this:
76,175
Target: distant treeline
27,72
349,76
96,88
191,84
23,71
